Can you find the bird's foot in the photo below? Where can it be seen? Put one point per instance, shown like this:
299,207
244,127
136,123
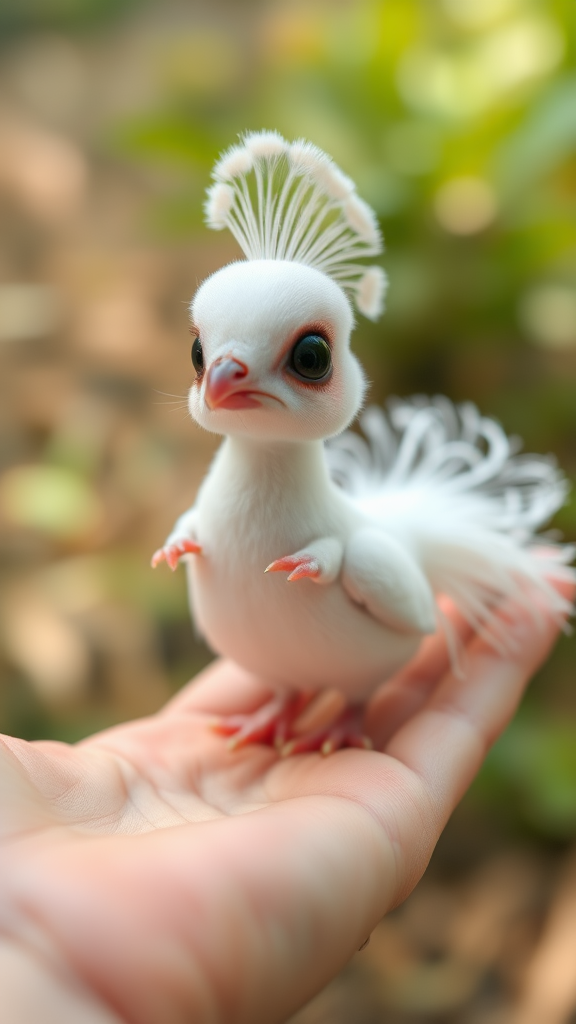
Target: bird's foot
270,724
172,553
299,724
298,566
343,731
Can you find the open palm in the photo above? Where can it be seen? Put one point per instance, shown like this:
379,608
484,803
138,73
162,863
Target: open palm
150,875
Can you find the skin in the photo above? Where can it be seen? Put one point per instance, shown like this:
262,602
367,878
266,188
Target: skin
149,875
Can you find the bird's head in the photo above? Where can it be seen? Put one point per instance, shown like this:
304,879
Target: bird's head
272,333
271,353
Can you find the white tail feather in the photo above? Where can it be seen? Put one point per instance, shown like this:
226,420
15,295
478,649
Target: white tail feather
453,487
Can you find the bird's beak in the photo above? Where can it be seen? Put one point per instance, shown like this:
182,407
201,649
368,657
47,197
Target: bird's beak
226,385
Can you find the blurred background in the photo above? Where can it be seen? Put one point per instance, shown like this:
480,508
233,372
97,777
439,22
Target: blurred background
457,119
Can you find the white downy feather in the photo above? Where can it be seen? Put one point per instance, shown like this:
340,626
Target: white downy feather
453,487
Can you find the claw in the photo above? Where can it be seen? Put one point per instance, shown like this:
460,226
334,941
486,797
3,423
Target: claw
285,721
172,553
157,557
298,566
172,557
270,724
339,739
308,744
344,731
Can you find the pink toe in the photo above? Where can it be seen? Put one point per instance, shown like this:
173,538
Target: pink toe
282,564
308,568
172,555
190,547
298,566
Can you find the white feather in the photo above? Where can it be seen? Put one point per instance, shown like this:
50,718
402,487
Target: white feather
362,220
219,202
265,144
450,485
371,292
237,160
308,158
291,202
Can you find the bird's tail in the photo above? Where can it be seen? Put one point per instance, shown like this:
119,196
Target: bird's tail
456,490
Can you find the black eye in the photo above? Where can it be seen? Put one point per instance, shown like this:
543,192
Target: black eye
311,358
197,356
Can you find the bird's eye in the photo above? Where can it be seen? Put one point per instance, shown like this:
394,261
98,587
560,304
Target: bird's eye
197,356
311,358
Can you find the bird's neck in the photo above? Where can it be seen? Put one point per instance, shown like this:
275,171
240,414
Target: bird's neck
285,466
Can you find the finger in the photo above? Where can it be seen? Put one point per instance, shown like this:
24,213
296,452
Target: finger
404,693
221,689
446,741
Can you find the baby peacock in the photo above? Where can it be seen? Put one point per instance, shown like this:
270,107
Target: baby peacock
436,502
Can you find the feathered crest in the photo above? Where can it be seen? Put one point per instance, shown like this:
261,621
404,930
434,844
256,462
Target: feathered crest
290,201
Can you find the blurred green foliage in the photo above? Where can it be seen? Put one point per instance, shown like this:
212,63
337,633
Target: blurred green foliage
534,769
19,17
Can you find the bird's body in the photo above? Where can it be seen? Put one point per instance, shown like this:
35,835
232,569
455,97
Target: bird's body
371,535
258,503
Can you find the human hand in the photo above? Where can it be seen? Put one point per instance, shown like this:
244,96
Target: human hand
150,875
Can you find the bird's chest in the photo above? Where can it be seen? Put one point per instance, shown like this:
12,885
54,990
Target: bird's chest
249,515
245,520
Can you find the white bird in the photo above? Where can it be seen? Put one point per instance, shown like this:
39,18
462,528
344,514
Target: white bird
438,502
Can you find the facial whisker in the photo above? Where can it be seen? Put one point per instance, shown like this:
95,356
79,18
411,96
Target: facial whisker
178,402
168,394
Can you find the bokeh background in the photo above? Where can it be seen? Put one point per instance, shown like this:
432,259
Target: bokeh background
457,119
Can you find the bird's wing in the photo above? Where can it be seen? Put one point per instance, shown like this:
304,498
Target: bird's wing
449,484
381,575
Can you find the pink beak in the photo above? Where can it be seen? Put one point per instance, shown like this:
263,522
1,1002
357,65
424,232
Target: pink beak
224,385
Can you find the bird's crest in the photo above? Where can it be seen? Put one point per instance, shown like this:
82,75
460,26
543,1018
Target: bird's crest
290,201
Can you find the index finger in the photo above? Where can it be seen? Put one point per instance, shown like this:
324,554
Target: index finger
446,741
